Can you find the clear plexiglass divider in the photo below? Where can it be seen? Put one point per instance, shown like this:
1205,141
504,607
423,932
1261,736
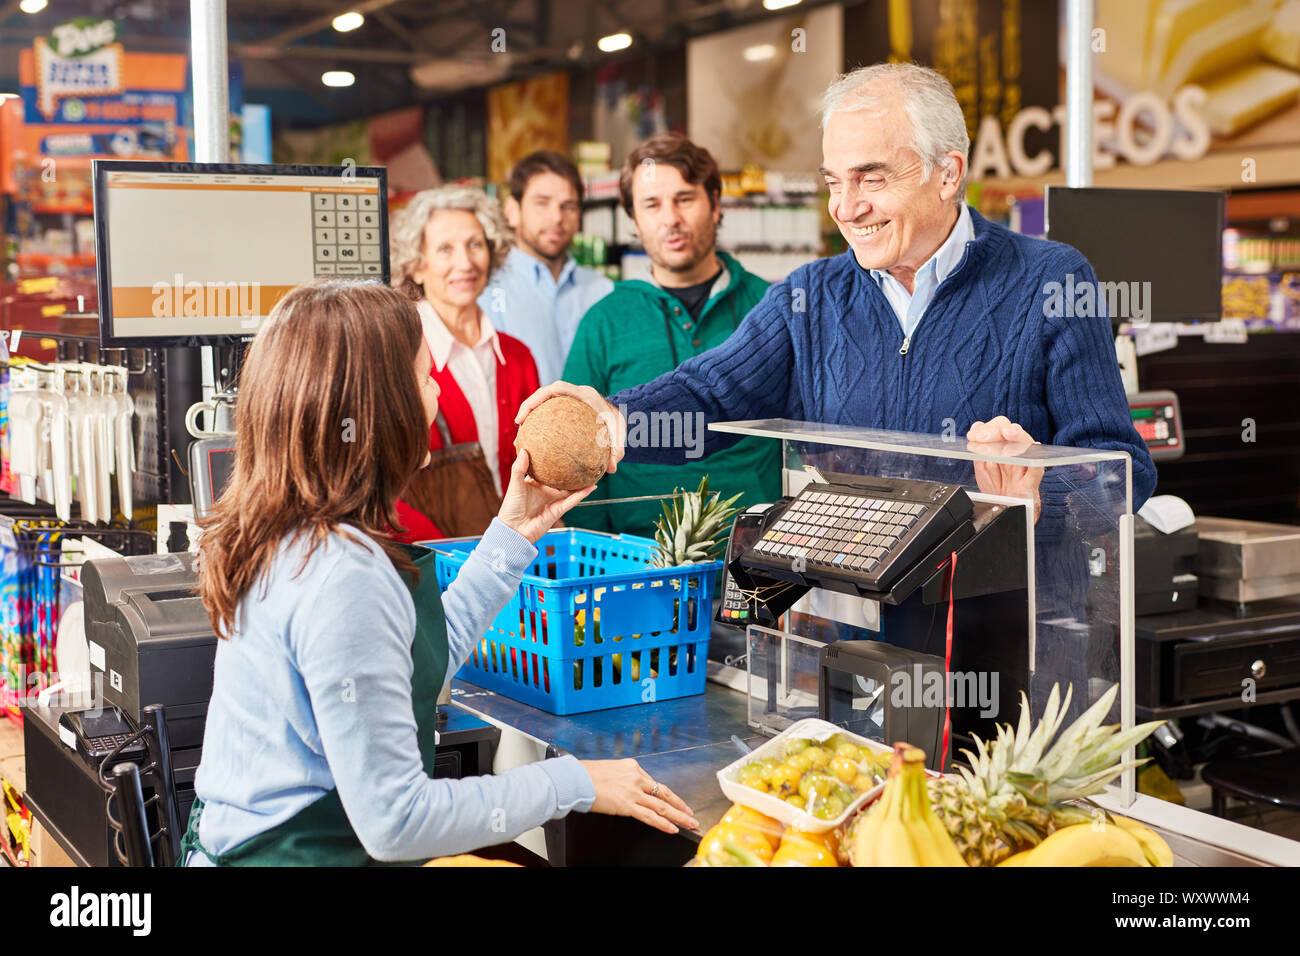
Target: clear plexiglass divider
1066,619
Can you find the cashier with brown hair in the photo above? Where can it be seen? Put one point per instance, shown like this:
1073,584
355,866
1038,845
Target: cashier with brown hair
320,734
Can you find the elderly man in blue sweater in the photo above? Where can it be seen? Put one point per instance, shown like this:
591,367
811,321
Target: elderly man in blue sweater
934,318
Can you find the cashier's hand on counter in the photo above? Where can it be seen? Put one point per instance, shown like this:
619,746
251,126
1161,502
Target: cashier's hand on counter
611,417
1001,436
623,789
531,508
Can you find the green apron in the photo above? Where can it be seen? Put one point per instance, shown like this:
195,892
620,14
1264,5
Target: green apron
320,834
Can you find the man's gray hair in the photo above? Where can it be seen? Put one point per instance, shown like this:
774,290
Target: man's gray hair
938,125
406,239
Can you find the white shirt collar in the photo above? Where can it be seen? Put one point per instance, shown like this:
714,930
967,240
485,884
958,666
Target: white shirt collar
949,255
442,343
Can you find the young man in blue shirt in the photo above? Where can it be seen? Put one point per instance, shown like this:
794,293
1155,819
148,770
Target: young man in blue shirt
541,293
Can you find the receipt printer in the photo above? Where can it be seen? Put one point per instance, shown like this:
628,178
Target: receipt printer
1164,569
150,640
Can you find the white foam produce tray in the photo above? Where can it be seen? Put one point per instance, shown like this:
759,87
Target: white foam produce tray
812,729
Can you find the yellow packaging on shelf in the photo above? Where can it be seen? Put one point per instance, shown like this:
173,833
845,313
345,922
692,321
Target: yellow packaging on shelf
1178,22
1243,97
1128,25
1229,41
38,286
1281,42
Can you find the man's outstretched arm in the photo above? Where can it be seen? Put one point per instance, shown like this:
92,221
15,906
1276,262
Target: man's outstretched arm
747,376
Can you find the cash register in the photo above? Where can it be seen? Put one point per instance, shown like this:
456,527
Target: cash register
892,540
150,644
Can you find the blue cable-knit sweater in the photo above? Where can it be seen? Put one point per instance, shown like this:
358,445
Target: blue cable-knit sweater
823,346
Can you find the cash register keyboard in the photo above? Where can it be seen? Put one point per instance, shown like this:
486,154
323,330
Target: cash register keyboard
867,533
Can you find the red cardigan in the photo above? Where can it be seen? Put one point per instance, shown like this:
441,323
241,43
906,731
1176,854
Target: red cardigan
515,381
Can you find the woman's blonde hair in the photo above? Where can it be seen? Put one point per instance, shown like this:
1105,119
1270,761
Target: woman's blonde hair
330,428
406,240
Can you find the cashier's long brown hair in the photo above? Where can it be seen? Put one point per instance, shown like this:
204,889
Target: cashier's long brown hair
330,429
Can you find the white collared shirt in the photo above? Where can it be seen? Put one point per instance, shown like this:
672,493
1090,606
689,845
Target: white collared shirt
910,306
475,371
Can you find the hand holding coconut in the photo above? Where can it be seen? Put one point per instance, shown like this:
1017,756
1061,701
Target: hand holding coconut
560,424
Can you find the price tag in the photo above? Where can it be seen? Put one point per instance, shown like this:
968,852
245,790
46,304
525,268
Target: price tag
51,310
1226,332
7,539
1155,338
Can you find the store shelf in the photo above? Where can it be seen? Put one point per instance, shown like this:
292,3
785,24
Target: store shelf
1260,205
38,260
75,209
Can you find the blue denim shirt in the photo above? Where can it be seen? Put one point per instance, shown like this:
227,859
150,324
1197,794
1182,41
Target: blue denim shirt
526,301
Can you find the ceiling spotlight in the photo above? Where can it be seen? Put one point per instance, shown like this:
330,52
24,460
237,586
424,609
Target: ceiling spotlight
348,21
337,78
33,6
764,51
778,4
614,42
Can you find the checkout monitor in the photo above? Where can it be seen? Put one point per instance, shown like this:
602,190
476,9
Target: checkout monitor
199,253
1170,238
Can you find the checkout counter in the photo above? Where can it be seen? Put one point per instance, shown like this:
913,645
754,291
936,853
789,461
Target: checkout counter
1078,625
1055,599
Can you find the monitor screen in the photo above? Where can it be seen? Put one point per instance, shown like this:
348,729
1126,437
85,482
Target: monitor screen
1164,247
197,253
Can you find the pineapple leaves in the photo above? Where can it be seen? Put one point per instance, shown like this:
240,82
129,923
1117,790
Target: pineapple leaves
693,529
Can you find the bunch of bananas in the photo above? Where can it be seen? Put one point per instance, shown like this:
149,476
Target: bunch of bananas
1119,842
901,829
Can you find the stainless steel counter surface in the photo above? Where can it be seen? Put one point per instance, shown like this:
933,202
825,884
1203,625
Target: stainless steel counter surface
682,743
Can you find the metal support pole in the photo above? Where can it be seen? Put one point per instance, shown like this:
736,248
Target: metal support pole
1078,92
1127,651
210,63
211,69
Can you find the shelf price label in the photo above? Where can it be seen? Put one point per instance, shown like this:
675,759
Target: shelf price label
1226,332
1157,337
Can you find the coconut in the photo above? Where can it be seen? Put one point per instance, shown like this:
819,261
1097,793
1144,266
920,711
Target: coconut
563,438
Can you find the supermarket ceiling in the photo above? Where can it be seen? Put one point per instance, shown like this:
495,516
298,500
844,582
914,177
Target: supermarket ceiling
406,51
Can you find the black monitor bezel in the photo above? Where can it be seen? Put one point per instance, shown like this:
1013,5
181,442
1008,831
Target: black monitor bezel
101,167
1115,192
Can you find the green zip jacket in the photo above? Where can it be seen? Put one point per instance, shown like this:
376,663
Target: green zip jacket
640,331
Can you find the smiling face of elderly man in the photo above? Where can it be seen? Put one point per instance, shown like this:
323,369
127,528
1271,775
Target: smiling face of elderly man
894,160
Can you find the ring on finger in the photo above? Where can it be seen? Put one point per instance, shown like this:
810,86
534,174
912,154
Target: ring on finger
654,791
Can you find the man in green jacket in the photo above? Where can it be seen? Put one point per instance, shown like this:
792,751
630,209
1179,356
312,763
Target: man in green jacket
671,189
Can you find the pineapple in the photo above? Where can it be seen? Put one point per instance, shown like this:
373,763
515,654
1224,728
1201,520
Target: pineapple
692,531
1015,792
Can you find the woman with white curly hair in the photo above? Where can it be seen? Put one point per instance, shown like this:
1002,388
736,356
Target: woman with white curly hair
446,243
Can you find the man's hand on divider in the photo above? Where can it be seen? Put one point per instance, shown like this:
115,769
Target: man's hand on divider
1003,437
